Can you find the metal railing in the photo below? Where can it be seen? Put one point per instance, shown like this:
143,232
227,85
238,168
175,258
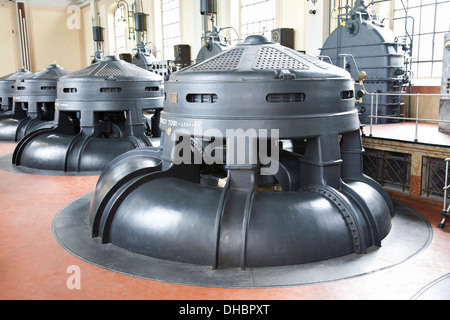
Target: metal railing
376,95
374,110
445,209
391,169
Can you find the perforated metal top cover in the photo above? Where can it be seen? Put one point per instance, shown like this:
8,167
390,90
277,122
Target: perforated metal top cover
112,67
52,72
16,75
262,59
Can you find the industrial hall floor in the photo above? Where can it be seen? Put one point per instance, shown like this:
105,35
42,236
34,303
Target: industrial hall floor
33,266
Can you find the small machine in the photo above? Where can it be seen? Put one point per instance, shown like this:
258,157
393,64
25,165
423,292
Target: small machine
99,115
7,89
34,103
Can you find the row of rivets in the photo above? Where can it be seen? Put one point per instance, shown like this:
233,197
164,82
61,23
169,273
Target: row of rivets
344,210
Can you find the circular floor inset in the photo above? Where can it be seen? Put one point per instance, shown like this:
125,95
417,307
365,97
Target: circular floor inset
411,233
436,290
6,165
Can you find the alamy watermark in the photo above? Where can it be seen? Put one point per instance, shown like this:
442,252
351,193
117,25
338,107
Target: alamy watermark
73,22
74,280
237,147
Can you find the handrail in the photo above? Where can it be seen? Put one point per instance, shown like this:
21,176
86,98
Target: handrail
445,210
417,119
375,96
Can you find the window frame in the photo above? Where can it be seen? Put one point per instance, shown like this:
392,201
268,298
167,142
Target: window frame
124,47
428,44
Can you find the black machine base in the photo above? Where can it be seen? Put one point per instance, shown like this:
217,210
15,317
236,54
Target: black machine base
411,233
6,165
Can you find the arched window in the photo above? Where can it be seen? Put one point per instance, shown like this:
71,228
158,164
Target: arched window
120,29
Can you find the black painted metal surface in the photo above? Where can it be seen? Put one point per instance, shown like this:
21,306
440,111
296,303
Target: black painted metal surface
208,204
34,104
100,115
143,57
214,45
411,234
7,89
378,52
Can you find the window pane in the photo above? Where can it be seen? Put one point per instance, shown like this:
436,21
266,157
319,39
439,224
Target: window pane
413,3
443,17
171,26
414,69
437,70
425,47
415,53
432,21
415,13
399,23
427,19
398,5
424,70
438,46
120,29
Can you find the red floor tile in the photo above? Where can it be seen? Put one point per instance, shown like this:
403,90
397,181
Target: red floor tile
34,266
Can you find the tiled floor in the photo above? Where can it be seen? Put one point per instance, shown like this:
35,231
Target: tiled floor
34,266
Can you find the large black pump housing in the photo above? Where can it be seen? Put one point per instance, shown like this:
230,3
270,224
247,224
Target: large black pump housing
259,166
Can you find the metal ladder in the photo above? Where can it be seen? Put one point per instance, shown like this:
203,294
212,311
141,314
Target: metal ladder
445,210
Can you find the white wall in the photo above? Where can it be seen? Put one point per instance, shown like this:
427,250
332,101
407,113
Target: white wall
49,37
9,58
